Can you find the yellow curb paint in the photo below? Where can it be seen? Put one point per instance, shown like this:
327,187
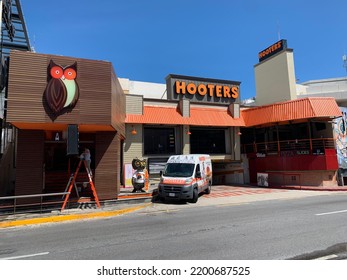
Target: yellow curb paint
55,219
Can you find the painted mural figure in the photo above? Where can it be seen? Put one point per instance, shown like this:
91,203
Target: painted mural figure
340,130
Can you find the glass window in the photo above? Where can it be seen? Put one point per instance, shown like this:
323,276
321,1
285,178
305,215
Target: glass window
207,141
179,170
159,140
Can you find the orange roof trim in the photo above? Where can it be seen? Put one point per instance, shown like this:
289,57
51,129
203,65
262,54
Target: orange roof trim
299,109
305,108
198,117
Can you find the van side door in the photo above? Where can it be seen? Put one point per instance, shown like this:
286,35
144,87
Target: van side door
199,177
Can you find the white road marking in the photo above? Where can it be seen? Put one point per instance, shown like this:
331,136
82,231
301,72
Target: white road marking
327,257
25,256
330,213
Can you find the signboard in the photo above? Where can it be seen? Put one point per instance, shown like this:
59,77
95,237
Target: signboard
128,174
155,165
62,90
202,90
263,179
272,50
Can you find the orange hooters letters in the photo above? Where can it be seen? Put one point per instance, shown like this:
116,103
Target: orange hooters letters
273,49
221,91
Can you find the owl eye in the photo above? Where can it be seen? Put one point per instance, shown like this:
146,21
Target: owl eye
70,73
56,72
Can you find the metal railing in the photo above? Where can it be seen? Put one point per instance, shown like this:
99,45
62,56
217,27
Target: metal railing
307,146
13,207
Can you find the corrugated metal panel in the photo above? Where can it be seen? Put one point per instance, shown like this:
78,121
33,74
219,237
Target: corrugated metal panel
291,110
198,116
133,146
107,165
134,104
213,117
323,107
29,165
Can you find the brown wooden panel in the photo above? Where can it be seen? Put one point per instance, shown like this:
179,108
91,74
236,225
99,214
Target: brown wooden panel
107,165
118,106
29,164
99,101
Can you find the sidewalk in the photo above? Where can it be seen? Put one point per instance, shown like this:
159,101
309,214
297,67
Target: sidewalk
127,202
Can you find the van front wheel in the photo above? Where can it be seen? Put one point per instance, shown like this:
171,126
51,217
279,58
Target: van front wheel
195,196
208,190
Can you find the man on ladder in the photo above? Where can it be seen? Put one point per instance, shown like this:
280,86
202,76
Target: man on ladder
86,159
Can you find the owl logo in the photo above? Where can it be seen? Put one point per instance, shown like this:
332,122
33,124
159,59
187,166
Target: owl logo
62,89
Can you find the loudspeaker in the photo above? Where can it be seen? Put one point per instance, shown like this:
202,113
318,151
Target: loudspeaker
72,140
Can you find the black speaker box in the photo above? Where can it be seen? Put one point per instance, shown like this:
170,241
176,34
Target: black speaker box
72,140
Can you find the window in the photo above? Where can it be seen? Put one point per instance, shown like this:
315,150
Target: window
159,140
207,141
179,170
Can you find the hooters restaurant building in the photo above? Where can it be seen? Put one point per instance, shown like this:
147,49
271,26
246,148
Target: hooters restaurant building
58,106
188,115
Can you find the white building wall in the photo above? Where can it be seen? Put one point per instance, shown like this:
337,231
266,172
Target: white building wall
147,90
336,88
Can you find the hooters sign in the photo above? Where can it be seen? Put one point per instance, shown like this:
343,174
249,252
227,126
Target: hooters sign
202,90
272,50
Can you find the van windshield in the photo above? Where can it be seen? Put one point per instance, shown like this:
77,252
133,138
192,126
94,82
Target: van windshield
179,170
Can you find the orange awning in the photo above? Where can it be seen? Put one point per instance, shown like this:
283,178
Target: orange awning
299,109
213,117
198,117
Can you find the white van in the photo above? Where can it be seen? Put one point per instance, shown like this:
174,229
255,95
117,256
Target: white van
185,177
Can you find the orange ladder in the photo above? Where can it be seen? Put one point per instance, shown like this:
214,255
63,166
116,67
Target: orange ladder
72,183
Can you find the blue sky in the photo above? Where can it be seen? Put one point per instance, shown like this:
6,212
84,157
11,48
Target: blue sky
147,40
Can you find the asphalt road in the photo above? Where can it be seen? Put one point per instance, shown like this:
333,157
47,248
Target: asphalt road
271,228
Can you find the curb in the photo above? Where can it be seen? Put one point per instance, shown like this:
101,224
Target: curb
302,188
308,188
71,217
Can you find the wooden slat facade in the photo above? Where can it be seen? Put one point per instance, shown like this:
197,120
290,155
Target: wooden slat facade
100,110
29,164
101,99
107,165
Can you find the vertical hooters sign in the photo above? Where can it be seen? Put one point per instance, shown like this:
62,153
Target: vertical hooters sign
202,90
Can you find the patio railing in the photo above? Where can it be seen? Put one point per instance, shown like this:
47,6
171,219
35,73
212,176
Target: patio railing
304,146
12,204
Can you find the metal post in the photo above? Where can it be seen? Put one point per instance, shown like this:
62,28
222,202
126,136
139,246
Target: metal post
1,15
309,134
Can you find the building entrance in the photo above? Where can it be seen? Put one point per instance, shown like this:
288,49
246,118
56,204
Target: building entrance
58,166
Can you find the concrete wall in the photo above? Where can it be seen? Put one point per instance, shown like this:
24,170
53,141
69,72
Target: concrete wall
275,79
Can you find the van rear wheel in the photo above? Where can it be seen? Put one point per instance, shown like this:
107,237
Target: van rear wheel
195,196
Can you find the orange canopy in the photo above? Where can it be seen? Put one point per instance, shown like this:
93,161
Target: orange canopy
299,109
198,116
